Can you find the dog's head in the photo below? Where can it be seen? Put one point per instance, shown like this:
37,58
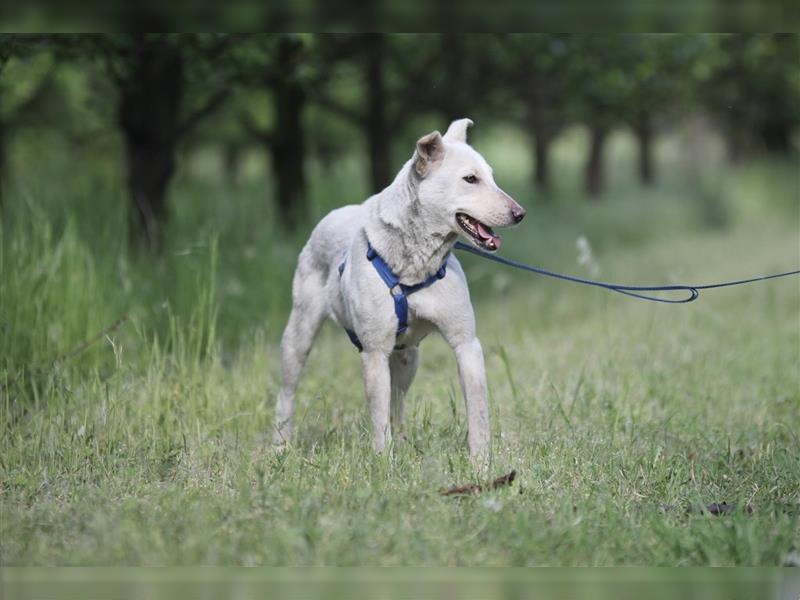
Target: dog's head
455,187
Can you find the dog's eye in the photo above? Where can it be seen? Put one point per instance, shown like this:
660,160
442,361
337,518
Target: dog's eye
470,179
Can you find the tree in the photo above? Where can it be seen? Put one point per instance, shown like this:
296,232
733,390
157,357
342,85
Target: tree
451,86
752,87
532,68
623,80
26,81
599,84
166,85
662,86
392,72
282,65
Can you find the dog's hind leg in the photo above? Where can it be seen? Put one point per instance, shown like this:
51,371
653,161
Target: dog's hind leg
308,313
403,366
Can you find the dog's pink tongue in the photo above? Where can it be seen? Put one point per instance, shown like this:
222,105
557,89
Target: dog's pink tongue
488,235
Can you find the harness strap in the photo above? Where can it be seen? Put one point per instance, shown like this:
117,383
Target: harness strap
397,290
354,338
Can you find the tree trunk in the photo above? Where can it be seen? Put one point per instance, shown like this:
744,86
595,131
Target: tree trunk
376,121
2,160
644,134
775,134
453,93
543,126
542,142
287,143
232,161
149,172
736,145
595,167
149,113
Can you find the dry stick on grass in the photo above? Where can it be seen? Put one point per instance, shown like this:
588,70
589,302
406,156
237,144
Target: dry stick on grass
38,371
715,508
475,488
95,338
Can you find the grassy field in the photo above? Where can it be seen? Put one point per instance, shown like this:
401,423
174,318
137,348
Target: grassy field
148,444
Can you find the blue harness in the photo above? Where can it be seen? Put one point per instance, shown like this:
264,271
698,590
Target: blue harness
399,291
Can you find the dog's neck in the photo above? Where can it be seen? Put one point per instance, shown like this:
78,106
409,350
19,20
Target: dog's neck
397,229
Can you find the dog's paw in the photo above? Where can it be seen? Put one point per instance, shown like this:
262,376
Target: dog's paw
280,440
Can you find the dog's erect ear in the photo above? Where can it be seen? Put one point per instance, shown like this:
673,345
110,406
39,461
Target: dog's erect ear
430,152
457,131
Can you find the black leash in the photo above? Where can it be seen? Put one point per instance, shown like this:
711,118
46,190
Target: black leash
628,290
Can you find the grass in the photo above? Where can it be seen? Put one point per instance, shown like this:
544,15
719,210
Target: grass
150,446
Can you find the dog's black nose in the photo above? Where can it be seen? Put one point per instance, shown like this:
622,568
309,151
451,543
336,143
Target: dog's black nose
517,213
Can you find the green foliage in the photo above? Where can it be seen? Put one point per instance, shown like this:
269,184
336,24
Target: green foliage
612,80
380,91
22,76
752,85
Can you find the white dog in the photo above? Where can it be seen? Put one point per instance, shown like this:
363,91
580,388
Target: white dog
372,266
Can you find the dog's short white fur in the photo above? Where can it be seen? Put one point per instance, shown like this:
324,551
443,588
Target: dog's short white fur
444,190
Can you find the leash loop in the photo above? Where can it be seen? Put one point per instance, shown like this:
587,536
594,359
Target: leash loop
634,291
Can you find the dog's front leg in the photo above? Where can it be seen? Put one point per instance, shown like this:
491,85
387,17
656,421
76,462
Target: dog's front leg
377,382
472,373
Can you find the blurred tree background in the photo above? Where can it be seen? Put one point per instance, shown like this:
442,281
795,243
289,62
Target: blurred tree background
297,98
147,143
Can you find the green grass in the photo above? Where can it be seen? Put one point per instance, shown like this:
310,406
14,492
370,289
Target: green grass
150,446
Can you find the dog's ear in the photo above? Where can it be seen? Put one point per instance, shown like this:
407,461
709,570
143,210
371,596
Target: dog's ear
457,131
430,152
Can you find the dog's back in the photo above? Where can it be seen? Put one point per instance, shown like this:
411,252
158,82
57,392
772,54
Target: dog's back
333,235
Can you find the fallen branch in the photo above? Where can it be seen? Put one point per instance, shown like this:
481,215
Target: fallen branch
475,488
714,508
99,336
34,372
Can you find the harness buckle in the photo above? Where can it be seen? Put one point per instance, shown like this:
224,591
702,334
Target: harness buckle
397,290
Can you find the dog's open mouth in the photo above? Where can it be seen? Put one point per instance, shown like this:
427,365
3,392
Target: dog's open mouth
481,235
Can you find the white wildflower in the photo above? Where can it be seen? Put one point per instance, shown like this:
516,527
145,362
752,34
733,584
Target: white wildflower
585,256
492,504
